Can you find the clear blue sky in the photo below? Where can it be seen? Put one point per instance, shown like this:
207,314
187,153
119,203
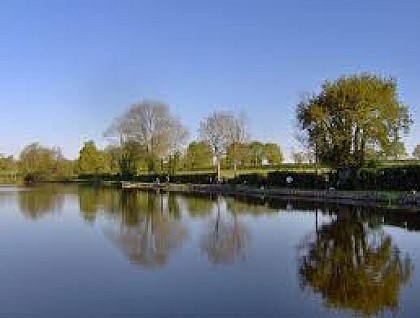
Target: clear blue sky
67,68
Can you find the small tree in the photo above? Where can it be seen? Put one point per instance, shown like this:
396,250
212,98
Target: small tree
298,157
238,135
236,154
216,130
133,158
112,156
199,155
273,153
256,153
416,152
37,162
7,163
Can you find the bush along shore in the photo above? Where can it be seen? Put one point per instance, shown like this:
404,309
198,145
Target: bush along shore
283,185
405,178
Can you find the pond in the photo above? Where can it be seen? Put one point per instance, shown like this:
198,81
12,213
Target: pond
100,252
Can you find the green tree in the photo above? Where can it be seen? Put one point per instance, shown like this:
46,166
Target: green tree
199,155
37,162
174,163
91,160
63,168
7,163
238,136
351,115
112,156
273,153
236,154
397,150
255,154
416,152
133,159
66,168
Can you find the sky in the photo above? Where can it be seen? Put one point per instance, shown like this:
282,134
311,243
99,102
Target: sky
68,68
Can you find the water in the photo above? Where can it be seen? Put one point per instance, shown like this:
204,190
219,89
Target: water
86,252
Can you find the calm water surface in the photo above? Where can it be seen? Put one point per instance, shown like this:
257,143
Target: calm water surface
86,252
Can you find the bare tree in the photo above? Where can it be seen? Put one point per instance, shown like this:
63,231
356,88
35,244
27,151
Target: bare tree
220,130
150,124
118,131
238,135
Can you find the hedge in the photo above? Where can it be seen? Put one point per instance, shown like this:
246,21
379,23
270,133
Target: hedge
393,178
302,180
405,178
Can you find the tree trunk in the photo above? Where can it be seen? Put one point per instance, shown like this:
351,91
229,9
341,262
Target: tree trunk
219,177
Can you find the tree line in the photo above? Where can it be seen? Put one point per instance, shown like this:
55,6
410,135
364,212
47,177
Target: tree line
149,138
353,120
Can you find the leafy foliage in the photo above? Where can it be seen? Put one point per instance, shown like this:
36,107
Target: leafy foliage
352,115
7,163
37,163
91,160
199,155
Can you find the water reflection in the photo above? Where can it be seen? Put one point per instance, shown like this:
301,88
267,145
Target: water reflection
226,238
354,265
199,205
150,228
36,202
93,200
250,206
349,259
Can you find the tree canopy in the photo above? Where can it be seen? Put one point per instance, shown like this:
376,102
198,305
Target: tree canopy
151,125
91,160
254,153
352,115
38,162
199,154
222,130
7,163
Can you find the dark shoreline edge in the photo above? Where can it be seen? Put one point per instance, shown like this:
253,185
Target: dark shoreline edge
405,201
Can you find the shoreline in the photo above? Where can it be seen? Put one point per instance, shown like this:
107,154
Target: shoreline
372,198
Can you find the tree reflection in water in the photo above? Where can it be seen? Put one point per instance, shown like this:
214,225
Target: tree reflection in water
227,239
199,205
36,202
93,200
150,229
354,266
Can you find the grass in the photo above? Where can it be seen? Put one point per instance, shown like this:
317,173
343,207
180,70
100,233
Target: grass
263,170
